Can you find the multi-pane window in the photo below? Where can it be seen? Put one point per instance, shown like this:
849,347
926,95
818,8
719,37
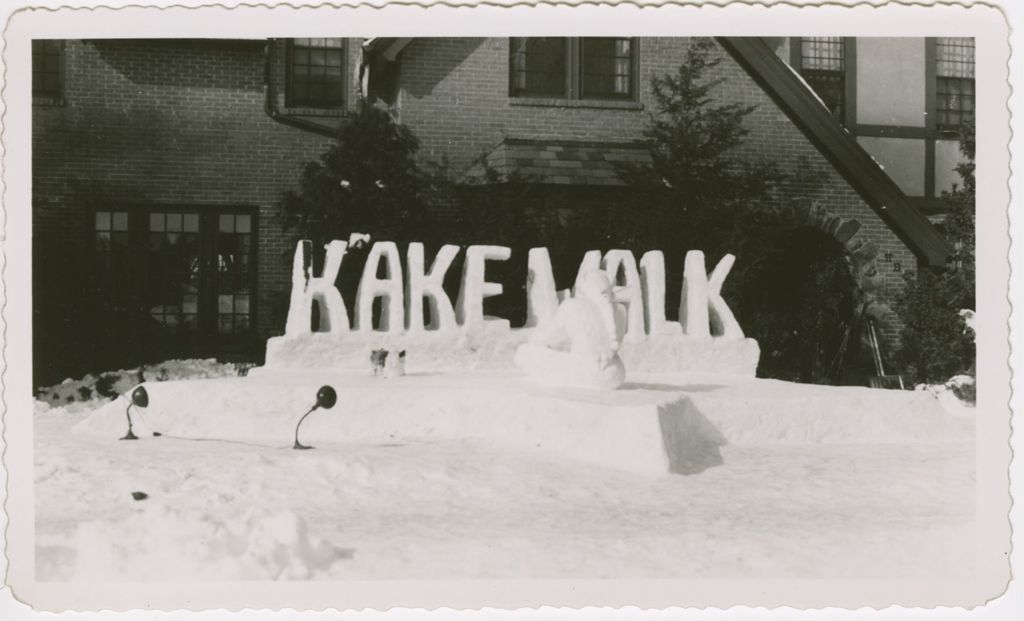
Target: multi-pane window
190,272
539,66
607,67
173,278
572,68
316,73
110,230
823,66
234,275
46,67
954,87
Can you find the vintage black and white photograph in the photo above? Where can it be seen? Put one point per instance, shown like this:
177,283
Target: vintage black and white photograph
338,308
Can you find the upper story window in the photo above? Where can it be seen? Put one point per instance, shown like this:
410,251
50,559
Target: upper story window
316,73
573,68
954,76
823,65
47,73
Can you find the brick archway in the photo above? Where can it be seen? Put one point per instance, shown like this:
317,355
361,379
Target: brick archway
861,253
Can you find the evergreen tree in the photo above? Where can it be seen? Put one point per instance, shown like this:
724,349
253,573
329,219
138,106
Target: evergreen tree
791,287
369,182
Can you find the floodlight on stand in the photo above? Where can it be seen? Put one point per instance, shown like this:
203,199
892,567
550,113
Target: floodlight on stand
326,397
139,398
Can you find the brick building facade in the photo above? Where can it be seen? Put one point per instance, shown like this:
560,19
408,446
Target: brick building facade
180,150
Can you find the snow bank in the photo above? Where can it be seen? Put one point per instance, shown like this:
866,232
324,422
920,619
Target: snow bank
85,391
652,425
255,546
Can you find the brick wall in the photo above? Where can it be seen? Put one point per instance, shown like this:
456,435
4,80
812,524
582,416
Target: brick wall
170,123
454,95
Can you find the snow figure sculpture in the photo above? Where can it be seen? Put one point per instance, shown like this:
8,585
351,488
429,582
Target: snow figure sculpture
631,291
579,345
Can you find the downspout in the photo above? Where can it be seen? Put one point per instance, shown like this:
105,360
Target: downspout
271,109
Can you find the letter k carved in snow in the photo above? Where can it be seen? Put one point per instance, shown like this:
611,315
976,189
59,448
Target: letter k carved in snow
306,288
702,310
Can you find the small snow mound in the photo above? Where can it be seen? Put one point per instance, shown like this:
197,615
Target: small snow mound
255,546
951,395
73,395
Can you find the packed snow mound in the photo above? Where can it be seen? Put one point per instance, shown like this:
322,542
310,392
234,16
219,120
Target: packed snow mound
653,424
487,349
82,392
259,545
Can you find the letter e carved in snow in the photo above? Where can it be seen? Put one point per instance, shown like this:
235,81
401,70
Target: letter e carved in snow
306,289
470,305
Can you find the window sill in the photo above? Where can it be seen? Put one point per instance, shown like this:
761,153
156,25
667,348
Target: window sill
309,111
42,100
606,104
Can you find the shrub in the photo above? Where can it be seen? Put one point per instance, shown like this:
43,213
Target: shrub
369,182
934,345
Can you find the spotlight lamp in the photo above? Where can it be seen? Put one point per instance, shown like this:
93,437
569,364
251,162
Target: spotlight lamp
139,398
326,397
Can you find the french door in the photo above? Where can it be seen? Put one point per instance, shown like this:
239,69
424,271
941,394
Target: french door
189,274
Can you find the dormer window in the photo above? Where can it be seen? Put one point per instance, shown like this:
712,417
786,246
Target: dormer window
573,67
823,66
316,73
954,82
47,69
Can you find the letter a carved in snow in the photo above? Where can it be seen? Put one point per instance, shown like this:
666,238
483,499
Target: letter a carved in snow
306,289
702,310
389,289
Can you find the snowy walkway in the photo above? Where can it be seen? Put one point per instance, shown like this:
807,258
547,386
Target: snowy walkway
452,509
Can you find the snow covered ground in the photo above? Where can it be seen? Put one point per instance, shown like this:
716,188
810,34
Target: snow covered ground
442,507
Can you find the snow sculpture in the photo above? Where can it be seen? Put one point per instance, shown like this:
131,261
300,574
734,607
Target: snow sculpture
429,286
970,322
389,289
541,296
585,323
702,311
358,240
470,304
630,293
591,261
306,289
652,280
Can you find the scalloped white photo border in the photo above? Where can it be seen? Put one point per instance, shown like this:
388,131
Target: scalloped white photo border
987,22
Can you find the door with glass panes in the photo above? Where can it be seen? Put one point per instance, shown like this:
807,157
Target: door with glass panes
195,271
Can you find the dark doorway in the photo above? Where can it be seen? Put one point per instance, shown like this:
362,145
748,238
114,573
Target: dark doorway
801,302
